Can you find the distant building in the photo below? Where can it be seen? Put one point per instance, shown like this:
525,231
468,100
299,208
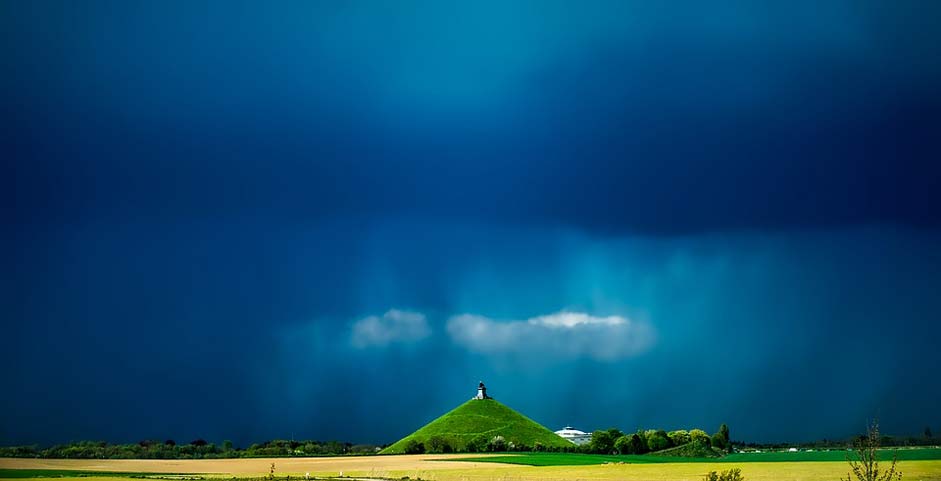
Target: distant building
574,435
481,391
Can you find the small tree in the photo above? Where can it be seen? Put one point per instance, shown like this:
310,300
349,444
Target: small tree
498,444
602,442
698,435
623,445
658,441
414,447
438,444
724,432
679,437
638,445
864,464
718,441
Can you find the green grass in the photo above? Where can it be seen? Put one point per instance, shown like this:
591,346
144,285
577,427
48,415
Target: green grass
904,454
487,418
75,473
569,459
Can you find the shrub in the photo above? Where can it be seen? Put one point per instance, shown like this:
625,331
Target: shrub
438,445
865,466
623,445
414,447
734,474
658,441
679,437
700,435
478,444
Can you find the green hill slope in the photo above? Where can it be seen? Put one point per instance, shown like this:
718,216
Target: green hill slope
481,417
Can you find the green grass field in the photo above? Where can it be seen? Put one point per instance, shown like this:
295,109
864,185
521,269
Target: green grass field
487,418
567,459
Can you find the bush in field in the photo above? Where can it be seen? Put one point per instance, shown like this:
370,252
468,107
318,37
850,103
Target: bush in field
497,444
864,465
734,474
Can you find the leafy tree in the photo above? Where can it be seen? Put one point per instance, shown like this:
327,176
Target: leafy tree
642,439
718,441
865,466
623,445
497,444
226,445
638,444
477,445
679,437
727,440
927,432
698,435
658,441
602,442
438,444
414,447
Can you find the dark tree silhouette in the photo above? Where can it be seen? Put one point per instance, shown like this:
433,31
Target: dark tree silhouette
864,463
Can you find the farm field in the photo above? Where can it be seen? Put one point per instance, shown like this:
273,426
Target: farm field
450,468
564,459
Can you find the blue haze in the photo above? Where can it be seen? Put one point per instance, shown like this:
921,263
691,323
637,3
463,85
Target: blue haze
200,199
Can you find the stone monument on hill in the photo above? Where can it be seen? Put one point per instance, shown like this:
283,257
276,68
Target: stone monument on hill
481,391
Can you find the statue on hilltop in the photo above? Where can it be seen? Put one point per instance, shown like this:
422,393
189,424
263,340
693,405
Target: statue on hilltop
482,391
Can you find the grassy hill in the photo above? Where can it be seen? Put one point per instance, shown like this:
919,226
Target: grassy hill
481,417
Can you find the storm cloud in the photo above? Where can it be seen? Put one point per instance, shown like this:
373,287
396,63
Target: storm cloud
394,326
562,335
245,221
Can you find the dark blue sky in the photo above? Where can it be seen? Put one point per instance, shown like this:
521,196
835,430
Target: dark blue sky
330,220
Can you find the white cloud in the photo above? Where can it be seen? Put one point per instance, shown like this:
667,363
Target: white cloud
394,326
562,335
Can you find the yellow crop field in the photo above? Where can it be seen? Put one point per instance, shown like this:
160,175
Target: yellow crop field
441,468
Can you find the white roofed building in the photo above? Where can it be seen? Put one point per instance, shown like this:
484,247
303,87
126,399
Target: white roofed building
574,435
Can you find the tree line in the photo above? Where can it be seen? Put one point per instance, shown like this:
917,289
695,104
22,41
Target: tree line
613,441
196,449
